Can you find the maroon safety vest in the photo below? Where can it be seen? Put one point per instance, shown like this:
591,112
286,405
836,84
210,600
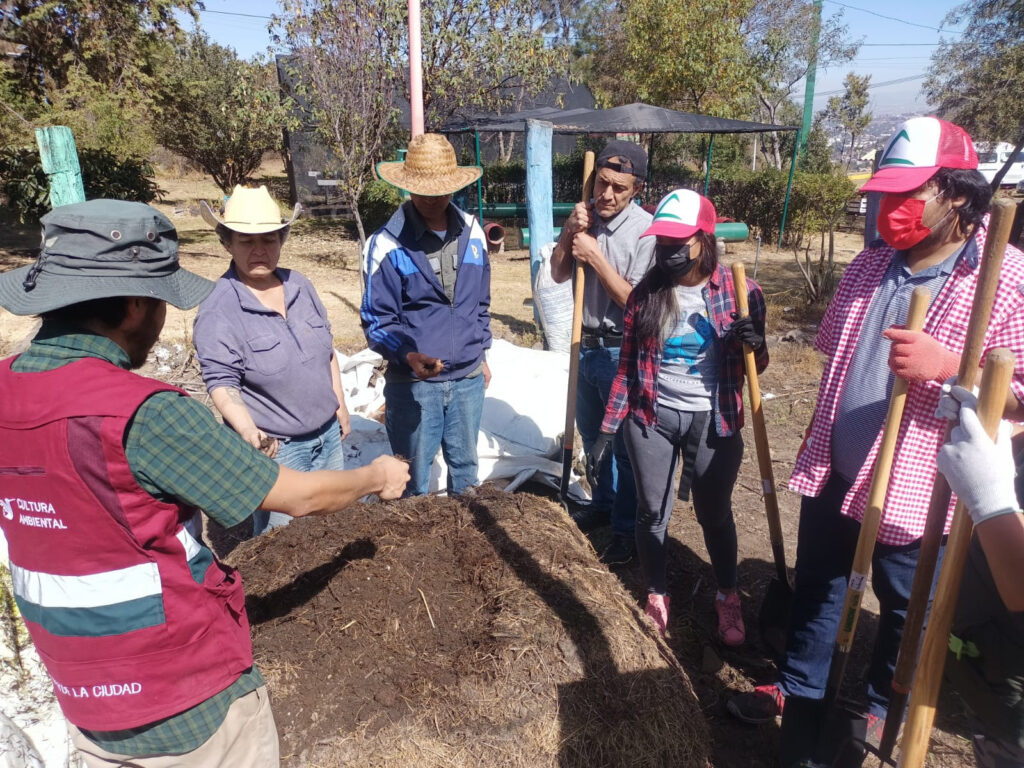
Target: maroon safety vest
135,620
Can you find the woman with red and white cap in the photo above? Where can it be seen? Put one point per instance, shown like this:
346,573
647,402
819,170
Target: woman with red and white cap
680,382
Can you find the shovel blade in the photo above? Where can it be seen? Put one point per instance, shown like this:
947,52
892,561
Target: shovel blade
816,736
773,618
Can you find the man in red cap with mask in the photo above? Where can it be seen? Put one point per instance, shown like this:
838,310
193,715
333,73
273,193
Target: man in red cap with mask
932,220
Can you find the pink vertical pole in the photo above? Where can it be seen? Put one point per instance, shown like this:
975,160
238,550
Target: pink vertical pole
415,69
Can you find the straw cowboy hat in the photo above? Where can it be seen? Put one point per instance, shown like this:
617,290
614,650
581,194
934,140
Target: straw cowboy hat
250,211
429,168
100,249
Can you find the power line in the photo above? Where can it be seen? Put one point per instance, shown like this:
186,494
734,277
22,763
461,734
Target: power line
897,81
900,45
246,15
894,18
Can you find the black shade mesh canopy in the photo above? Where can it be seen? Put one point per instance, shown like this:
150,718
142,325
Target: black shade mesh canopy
629,118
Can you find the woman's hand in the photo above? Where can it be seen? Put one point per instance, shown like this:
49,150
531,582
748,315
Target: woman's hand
262,442
344,421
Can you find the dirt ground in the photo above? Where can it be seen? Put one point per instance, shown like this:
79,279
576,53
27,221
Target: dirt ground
328,255
460,632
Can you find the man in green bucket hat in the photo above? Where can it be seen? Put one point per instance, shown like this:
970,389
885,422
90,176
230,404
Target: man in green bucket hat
102,476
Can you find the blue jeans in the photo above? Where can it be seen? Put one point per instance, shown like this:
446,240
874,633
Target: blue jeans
321,449
615,485
826,542
422,416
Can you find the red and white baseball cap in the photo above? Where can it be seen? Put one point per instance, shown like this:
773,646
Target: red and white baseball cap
919,148
682,213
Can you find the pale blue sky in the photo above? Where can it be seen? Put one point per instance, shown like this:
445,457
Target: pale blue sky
893,49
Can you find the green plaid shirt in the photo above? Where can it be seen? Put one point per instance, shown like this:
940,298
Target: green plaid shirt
176,450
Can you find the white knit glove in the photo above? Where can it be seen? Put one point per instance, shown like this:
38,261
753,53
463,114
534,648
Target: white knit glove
979,471
949,405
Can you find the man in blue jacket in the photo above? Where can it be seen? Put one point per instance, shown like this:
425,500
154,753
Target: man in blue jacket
426,309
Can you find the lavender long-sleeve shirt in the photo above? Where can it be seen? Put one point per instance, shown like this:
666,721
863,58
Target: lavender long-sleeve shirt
281,366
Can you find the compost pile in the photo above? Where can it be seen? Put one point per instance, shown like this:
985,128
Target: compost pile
460,632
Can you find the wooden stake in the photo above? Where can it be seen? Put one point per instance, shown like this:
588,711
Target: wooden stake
995,383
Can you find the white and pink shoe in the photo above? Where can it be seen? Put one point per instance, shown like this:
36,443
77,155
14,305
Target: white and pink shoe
657,611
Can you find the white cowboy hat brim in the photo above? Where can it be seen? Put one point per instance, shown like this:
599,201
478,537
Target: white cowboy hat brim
246,227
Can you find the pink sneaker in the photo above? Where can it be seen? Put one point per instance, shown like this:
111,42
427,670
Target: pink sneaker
730,619
657,610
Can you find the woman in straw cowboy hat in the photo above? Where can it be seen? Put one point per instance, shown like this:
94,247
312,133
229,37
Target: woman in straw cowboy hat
426,309
265,347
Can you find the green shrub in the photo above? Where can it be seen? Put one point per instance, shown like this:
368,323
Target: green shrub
27,190
376,204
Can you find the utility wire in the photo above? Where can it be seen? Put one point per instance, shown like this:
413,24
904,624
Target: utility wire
246,15
894,18
897,81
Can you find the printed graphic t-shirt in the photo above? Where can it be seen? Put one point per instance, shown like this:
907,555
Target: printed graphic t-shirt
686,381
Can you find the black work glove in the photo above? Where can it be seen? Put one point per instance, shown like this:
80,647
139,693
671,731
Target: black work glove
742,331
597,455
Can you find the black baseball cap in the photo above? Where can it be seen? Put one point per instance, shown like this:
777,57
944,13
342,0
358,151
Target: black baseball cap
624,156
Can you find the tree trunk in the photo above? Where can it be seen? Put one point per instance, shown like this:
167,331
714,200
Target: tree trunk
997,179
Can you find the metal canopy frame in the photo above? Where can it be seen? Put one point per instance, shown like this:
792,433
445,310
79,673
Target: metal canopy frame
628,118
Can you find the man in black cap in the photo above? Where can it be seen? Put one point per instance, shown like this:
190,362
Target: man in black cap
605,238
102,476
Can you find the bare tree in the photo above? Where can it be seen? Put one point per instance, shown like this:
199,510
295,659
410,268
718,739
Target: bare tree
346,70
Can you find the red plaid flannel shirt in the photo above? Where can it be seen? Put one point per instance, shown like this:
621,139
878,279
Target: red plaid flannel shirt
920,436
635,387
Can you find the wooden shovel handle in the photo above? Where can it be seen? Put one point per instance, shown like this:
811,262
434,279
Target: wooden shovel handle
568,435
1000,222
869,525
921,716
764,455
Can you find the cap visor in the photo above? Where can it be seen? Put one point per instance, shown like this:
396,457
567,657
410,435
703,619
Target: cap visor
671,229
899,179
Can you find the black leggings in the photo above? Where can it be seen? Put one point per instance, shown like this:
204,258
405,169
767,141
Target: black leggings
654,452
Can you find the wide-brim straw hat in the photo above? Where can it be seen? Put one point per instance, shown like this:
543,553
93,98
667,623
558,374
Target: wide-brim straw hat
101,249
429,168
250,211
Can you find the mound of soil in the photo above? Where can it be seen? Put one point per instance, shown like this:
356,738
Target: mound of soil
460,632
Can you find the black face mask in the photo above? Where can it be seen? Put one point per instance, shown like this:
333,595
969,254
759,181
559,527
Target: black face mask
674,259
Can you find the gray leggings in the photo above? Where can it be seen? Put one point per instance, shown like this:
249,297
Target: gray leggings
653,452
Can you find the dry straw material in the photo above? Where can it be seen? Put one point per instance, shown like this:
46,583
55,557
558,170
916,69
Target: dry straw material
429,168
473,631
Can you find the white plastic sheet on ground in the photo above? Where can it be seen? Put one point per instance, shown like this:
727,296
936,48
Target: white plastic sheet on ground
521,427
554,304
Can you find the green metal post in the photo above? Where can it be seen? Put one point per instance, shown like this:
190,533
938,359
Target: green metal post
59,159
707,174
812,70
479,183
789,187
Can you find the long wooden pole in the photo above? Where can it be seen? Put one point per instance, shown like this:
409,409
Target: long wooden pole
995,382
1000,221
873,513
568,436
764,454
415,69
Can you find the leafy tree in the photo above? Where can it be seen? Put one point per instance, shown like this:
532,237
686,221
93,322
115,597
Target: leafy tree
345,66
780,47
482,55
817,155
849,113
819,200
88,64
977,80
221,113
688,56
